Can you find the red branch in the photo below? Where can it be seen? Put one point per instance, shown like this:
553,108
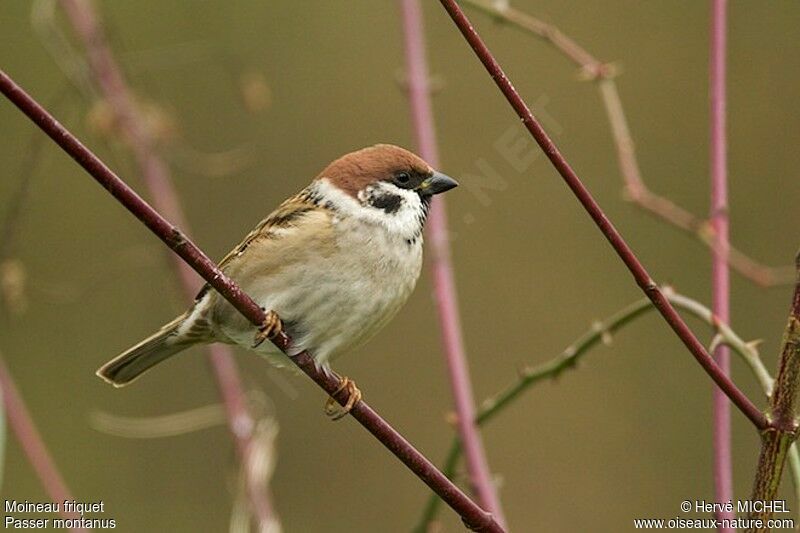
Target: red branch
642,277
472,515
444,283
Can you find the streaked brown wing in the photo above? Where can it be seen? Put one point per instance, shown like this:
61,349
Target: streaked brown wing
295,212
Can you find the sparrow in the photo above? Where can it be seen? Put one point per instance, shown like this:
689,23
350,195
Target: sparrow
331,266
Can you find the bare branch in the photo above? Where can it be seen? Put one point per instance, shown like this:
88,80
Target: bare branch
626,254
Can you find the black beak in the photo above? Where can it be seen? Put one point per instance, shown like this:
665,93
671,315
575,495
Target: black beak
436,184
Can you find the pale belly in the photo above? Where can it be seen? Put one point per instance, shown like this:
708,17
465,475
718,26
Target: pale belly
329,304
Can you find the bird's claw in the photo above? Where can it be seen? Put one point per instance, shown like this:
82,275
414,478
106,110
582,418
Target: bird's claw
271,327
332,408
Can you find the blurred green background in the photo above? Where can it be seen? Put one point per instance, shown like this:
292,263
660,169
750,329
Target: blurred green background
252,99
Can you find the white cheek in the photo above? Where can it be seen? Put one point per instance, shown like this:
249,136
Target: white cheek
405,222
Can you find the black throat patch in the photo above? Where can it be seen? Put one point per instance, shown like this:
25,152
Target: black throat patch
389,202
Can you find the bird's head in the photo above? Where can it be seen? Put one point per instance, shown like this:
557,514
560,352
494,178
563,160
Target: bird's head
386,184
390,184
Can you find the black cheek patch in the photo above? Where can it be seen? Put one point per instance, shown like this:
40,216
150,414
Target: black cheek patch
390,203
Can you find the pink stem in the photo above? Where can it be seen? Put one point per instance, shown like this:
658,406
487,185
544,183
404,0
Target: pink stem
32,444
720,286
155,173
442,268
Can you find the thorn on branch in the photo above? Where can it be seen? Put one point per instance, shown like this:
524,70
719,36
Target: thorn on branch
754,344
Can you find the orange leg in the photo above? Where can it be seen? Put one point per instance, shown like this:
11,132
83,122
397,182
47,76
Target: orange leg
271,327
354,395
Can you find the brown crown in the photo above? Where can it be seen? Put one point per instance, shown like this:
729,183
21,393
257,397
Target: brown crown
356,170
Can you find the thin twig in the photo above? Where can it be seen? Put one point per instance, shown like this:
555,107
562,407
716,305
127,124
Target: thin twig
21,423
109,78
570,357
444,284
626,254
475,517
776,440
635,188
720,282
504,12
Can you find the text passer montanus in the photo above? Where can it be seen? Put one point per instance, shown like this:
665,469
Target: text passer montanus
335,262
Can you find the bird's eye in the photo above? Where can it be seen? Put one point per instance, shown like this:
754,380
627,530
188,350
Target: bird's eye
402,178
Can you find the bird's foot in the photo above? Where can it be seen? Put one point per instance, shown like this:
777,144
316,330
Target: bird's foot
271,327
332,408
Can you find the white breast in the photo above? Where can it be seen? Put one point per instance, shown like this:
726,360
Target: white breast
360,291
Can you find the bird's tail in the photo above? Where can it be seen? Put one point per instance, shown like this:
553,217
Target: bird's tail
133,362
